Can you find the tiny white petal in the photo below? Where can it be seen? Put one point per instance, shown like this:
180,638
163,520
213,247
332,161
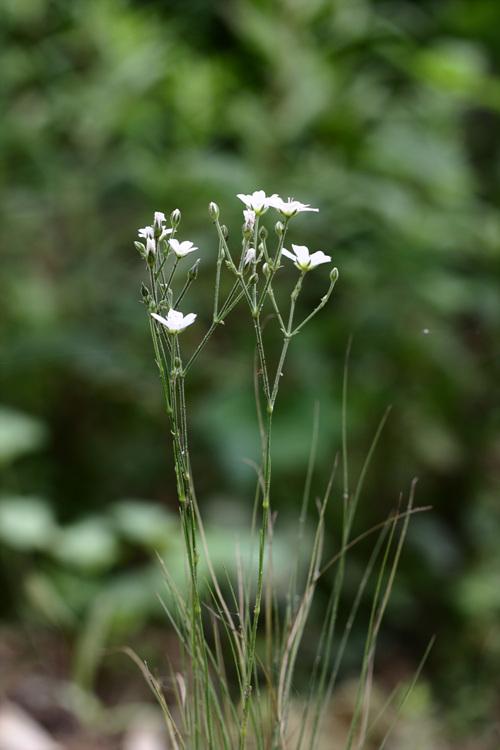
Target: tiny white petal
249,256
188,319
319,257
146,232
288,254
301,253
249,216
160,319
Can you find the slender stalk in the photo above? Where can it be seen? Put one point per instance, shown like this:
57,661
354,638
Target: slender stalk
250,662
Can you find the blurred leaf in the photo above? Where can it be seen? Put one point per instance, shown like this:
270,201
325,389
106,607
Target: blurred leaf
26,523
19,434
144,523
88,544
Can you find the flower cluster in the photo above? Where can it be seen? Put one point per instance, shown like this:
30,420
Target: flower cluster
159,242
258,202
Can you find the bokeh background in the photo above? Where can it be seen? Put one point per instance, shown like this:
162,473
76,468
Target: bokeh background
385,115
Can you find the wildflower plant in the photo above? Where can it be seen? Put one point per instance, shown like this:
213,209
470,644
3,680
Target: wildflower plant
209,716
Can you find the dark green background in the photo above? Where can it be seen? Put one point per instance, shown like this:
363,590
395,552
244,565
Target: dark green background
385,115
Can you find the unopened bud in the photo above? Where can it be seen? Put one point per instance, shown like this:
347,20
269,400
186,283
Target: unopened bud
263,233
266,270
247,231
140,249
213,211
175,217
145,293
279,228
193,271
334,274
225,231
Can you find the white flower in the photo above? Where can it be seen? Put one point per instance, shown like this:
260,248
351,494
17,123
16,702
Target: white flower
175,322
256,201
249,216
182,248
290,207
159,219
249,256
303,260
150,245
146,232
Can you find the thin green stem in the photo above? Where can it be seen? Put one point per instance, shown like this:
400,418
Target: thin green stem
318,307
231,301
250,661
172,272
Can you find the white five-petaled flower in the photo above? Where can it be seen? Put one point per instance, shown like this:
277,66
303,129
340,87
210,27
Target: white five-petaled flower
303,259
257,201
249,216
290,207
175,322
182,248
146,232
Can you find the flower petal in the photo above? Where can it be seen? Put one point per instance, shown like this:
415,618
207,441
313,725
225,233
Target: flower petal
318,258
302,254
189,319
160,319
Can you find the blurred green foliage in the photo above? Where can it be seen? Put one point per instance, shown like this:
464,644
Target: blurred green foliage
386,116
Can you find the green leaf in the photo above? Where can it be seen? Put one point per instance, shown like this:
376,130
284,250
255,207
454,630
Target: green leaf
19,434
26,523
89,544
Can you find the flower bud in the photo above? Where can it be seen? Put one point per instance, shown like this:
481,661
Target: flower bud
175,217
263,234
225,231
279,228
193,271
145,293
213,211
139,246
247,231
334,274
150,251
266,270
